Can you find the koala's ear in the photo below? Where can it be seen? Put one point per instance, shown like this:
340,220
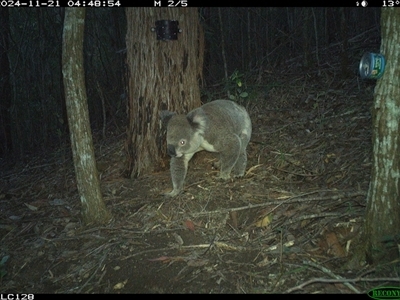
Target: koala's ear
166,115
198,120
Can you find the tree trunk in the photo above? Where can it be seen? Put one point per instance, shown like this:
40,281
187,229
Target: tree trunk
223,53
163,75
307,30
344,57
5,86
93,207
382,223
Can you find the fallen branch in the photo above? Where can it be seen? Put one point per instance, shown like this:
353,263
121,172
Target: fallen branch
293,199
342,280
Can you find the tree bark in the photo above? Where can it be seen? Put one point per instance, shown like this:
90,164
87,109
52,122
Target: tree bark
382,223
344,49
94,210
5,86
162,75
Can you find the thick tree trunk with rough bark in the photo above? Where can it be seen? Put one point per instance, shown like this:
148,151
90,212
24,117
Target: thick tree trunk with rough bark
162,75
93,207
382,224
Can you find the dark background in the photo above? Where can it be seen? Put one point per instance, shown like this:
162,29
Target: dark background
256,42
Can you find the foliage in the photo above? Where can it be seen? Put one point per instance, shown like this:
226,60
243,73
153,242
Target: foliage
236,87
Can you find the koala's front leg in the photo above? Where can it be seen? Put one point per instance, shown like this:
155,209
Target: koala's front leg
178,169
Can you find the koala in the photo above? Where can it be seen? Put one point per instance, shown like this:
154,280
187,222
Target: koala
220,126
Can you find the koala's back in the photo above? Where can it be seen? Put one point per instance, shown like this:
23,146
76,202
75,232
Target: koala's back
223,117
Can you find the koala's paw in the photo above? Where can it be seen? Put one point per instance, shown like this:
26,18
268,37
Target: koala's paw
216,165
238,175
224,176
172,194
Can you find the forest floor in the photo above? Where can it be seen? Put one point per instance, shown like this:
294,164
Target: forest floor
291,225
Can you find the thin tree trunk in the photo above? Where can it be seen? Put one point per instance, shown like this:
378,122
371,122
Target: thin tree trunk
223,48
93,207
344,57
5,86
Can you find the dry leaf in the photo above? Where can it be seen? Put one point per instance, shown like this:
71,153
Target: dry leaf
264,222
234,219
178,238
189,225
31,207
161,258
120,285
264,262
334,246
197,262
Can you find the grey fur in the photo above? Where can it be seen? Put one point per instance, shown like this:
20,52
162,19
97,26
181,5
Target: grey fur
219,126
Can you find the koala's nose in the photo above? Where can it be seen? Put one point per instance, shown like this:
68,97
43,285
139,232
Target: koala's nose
171,150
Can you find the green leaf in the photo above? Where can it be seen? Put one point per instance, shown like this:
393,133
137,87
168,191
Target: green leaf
4,260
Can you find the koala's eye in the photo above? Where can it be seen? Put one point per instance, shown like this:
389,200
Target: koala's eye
182,142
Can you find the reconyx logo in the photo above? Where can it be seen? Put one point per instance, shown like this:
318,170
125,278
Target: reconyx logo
385,293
